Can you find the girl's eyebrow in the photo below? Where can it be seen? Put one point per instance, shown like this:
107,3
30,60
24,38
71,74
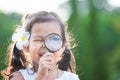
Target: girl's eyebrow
37,36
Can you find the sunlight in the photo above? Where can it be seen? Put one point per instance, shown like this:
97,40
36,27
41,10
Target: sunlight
114,3
28,6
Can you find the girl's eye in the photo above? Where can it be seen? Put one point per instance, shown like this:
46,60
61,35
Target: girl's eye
37,40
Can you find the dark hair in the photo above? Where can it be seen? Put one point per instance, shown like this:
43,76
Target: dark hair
17,60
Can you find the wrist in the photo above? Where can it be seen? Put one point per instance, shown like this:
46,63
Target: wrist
40,77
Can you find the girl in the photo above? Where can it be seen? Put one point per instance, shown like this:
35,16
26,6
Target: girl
29,48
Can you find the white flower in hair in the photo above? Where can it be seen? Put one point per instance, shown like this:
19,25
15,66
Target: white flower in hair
21,38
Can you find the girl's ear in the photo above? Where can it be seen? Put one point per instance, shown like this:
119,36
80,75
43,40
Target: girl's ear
26,49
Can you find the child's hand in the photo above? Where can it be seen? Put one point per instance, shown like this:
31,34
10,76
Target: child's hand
46,64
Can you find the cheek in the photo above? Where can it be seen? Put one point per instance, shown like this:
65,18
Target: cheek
34,51
58,55
34,47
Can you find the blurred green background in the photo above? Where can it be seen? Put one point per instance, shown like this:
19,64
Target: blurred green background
96,27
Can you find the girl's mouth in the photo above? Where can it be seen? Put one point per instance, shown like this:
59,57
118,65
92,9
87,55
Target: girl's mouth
40,55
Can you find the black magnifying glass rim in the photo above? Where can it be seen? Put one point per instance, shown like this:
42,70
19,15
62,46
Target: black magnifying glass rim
53,34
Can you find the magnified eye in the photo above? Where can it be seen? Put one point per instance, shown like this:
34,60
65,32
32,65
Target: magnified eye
55,39
53,42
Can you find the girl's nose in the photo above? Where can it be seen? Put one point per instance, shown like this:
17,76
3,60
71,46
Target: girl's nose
43,44
42,51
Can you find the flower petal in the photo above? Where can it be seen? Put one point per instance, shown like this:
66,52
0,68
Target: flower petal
27,35
19,45
26,43
14,37
21,37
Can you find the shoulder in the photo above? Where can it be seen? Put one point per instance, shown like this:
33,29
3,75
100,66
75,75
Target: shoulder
72,76
16,76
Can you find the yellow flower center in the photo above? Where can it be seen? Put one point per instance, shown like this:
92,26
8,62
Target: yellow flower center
22,38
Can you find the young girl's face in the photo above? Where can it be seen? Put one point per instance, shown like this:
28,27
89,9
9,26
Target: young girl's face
38,33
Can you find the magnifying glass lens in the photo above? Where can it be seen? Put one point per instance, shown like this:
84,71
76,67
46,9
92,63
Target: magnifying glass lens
53,42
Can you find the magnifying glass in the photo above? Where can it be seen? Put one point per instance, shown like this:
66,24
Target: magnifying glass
53,42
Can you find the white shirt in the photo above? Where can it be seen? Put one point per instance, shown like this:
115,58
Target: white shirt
66,75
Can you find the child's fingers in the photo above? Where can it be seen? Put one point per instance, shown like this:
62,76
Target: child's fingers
48,54
48,60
